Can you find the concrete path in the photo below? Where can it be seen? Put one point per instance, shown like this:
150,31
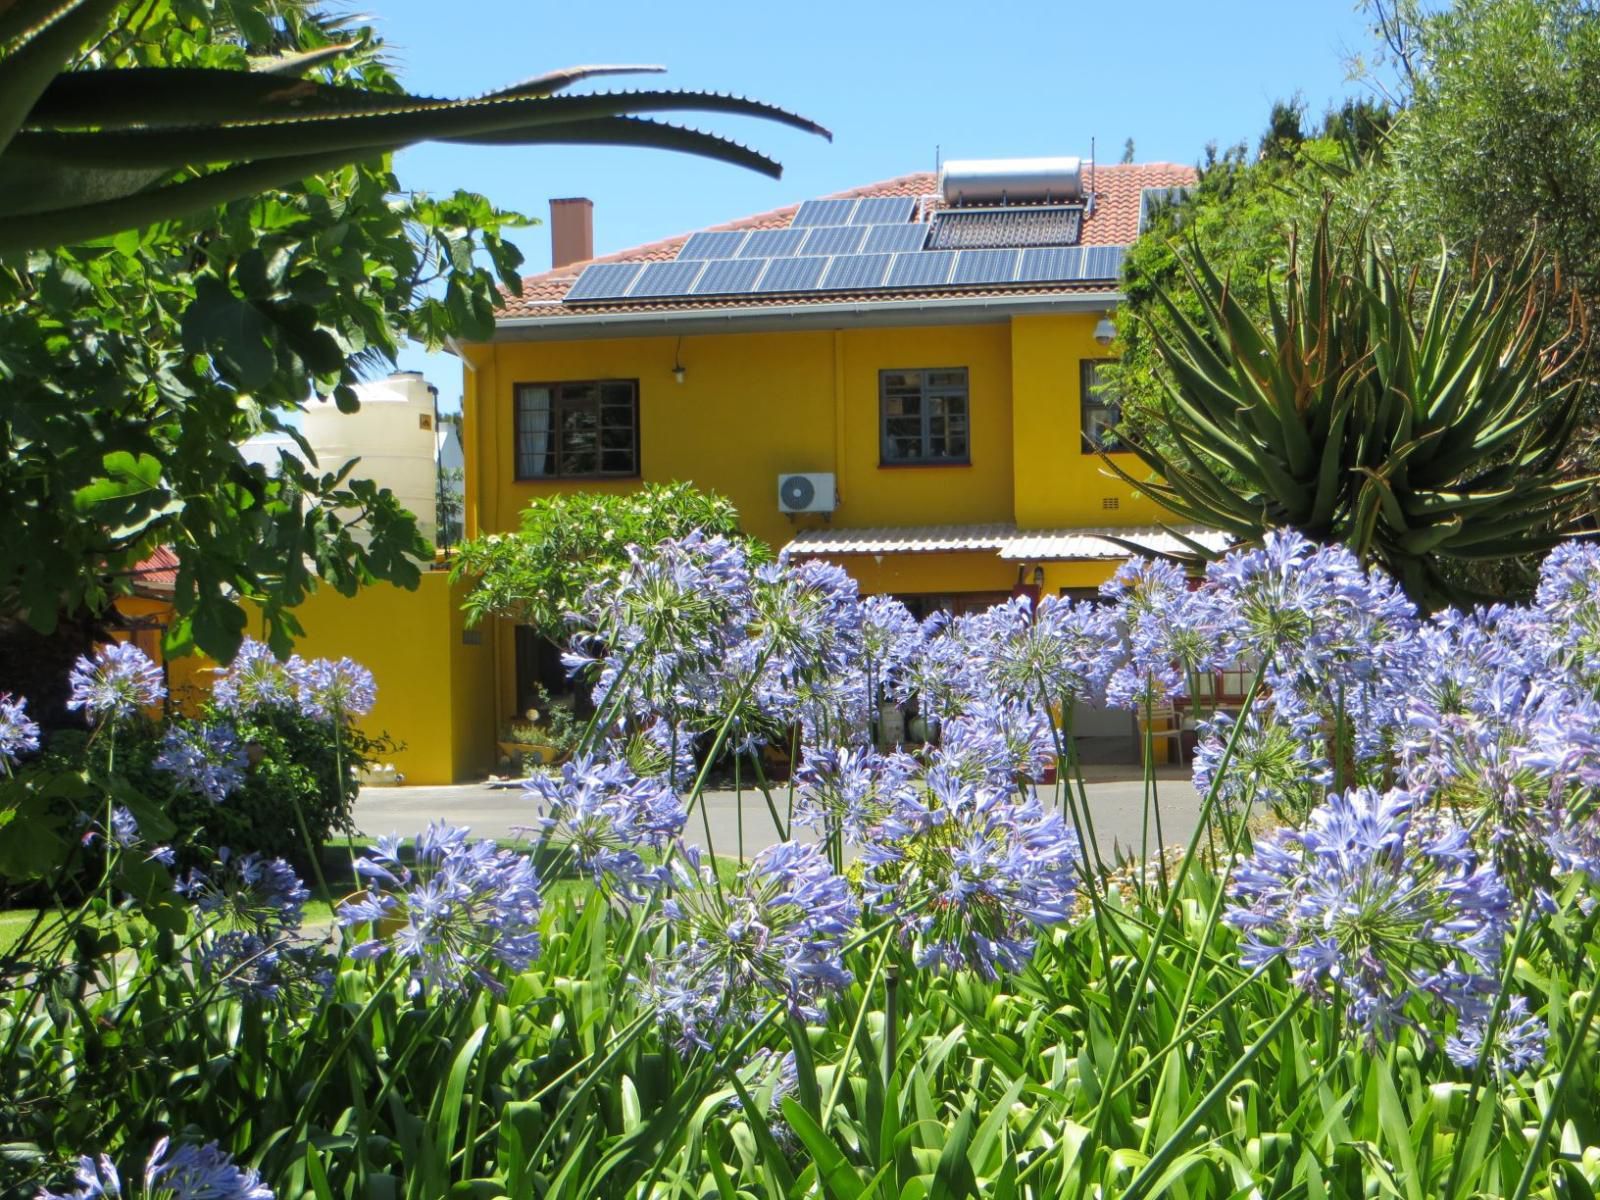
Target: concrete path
1116,804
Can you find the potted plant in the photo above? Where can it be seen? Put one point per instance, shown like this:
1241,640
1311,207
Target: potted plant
544,735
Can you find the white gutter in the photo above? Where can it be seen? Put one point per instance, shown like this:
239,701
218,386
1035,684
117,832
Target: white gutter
952,310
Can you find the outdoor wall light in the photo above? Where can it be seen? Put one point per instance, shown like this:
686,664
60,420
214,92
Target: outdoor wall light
1038,577
678,374
1105,332
677,363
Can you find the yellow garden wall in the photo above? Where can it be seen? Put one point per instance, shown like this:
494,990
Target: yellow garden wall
435,691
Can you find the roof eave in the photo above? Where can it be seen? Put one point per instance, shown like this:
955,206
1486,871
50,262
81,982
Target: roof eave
945,310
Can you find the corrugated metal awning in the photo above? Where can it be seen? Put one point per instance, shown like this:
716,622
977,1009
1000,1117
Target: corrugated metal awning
1006,540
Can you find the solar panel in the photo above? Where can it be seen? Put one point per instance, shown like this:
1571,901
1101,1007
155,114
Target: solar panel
986,266
930,268
853,272
1004,228
886,209
604,281
728,276
1056,264
823,212
891,239
772,243
712,245
667,279
834,239
791,275
1102,262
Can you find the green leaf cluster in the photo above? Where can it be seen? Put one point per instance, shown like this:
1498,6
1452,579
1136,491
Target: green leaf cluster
1423,426
569,542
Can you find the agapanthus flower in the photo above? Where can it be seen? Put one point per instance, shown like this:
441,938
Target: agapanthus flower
200,1173
96,1180
327,689
1519,1038
19,734
772,936
248,891
889,638
206,759
1567,604
260,969
254,681
187,1173
460,906
116,683
605,814
1367,904
849,791
1002,741
972,870
1273,767
943,674
1058,651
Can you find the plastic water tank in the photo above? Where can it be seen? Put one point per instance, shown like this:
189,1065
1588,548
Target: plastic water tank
393,435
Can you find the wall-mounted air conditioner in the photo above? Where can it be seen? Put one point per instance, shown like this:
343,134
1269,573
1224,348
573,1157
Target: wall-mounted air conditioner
808,493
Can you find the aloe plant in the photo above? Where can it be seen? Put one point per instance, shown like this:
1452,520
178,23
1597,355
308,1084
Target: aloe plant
88,152
1424,423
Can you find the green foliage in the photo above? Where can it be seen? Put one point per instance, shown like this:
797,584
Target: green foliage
1502,131
92,143
570,541
1423,427
1240,213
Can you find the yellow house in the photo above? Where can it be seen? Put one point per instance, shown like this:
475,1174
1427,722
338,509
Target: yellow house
898,378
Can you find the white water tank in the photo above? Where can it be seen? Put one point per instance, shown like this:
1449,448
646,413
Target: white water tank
1011,180
394,435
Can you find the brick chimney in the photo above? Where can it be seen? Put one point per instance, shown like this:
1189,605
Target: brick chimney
571,231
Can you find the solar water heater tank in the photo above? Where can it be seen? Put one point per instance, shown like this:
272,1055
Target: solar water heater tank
1011,180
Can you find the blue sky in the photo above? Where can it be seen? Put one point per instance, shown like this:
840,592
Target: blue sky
978,79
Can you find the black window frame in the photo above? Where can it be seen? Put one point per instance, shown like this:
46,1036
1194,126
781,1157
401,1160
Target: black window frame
564,397
1087,368
925,417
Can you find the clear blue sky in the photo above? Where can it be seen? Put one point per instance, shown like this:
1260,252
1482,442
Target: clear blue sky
979,79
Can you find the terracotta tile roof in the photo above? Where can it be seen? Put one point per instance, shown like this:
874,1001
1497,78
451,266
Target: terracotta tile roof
156,575
1115,222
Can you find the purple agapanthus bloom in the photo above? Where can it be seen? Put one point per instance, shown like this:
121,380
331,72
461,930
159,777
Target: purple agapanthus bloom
256,680
943,674
116,683
1055,652
19,734
774,935
206,759
97,1179
251,947
1519,1038
460,906
248,891
605,814
848,791
1272,767
1001,741
972,870
329,689
199,1173
1367,904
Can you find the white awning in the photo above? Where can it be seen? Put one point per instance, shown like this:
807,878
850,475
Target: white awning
1006,541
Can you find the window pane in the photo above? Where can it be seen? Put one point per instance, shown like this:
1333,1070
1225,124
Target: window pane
947,379
534,457
618,462
617,393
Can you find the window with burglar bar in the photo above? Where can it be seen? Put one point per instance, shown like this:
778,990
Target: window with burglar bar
578,429
924,416
1100,412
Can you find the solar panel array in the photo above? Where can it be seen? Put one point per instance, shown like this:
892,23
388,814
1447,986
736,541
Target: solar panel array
866,244
905,270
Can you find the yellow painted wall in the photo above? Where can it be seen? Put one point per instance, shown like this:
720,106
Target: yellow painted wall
1056,484
435,692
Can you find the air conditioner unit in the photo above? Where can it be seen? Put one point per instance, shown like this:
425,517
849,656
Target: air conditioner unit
810,493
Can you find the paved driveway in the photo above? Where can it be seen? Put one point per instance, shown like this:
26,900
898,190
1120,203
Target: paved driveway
1115,803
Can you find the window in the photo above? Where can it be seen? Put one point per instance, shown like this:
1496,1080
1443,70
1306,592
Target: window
574,430
1100,412
924,416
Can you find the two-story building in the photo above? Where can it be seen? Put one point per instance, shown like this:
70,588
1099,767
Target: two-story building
899,378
